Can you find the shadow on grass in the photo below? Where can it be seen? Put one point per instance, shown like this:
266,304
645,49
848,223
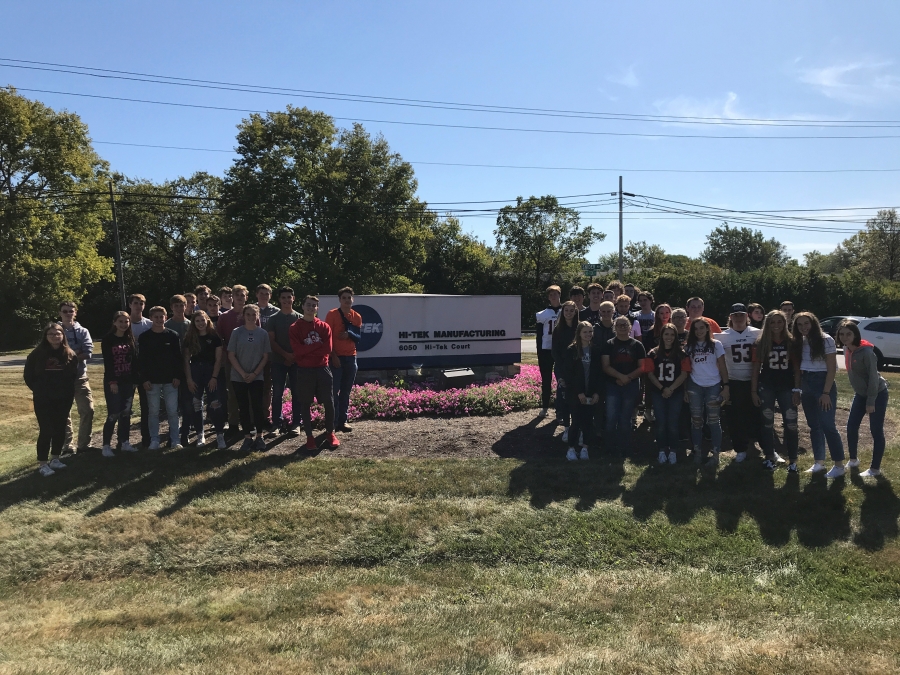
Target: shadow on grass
818,512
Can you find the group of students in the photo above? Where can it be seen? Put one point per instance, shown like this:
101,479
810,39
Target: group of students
621,348
215,354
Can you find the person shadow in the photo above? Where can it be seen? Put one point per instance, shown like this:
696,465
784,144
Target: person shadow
878,514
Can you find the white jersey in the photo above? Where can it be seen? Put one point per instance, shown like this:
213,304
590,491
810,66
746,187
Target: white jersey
739,351
546,319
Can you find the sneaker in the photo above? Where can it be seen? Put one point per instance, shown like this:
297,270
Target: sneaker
649,415
201,439
107,451
870,473
816,468
247,445
583,455
544,412
178,446
332,441
55,464
45,470
294,431
663,457
220,441
713,459
154,445
345,428
311,443
274,429
128,447
792,467
852,464
740,457
67,451
836,472
672,457
779,459
260,443
571,456
769,465
565,435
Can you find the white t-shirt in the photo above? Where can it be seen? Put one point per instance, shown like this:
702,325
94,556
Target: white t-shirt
739,351
819,365
704,367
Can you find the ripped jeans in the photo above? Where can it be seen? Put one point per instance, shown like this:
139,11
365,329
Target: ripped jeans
118,407
768,395
201,374
706,405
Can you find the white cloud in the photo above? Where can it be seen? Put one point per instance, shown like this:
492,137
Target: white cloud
854,82
627,78
685,106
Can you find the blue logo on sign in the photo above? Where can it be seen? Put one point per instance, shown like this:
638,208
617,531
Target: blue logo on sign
372,327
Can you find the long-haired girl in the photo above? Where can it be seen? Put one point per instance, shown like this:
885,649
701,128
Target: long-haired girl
202,364
119,371
670,369
583,386
707,387
563,335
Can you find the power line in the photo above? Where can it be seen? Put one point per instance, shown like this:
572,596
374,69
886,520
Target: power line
479,127
106,73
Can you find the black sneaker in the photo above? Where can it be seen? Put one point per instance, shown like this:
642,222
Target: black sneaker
769,465
792,468
345,428
247,445
260,443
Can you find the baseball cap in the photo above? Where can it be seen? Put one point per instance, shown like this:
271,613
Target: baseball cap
738,308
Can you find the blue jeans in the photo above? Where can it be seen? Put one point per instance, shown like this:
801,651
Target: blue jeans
201,374
170,394
821,423
282,375
876,426
668,414
706,404
620,405
344,377
118,409
768,396
562,405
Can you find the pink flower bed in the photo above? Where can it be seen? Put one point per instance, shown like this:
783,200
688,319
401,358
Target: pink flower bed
377,401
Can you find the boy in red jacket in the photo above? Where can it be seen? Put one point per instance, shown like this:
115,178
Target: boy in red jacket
311,344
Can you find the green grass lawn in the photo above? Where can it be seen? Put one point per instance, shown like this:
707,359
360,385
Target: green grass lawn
215,562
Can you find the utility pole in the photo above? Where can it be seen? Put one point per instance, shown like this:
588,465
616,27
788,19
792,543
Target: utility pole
115,223
627,194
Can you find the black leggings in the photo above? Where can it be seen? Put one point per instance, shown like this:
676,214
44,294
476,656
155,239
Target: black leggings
250,396
545,363
52,414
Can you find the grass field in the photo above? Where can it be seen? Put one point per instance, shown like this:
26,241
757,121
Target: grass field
215,562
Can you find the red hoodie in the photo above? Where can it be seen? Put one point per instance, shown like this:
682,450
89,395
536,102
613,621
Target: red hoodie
847,355
310,342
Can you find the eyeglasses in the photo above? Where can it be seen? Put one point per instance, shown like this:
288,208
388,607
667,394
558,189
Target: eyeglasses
67,311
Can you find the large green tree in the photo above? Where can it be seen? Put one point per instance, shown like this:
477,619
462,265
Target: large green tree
742,249
874,251
50,216
321,207
455,262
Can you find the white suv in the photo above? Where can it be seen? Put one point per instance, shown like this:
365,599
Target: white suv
884,333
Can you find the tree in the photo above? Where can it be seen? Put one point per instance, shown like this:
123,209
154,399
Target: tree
321,207
50,216
874,251
741,249
636,254
455,262
543,240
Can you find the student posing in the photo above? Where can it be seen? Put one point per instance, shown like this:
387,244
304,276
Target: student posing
202,350
345,326
119,371
870,395
742,417
50,372
546,321
670,369
622,363
584,376
161,372
79,341
284,368
707,387
248,351
563,337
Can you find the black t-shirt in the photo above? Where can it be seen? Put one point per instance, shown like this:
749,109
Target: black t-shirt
625,355
588,314
208,345
776,366
668,365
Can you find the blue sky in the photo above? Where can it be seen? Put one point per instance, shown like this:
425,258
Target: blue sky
831,61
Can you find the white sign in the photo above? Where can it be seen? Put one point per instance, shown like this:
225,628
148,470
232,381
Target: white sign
403,329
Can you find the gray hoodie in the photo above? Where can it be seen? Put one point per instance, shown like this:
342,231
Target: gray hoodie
80,342
862,369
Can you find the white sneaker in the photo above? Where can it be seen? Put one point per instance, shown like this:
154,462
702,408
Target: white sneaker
128,447
583,455
544,412
45,470
178,446
154,445
835,472
201,439
571,456
663,458
672,457
108,452
852,464
870,473
816,468
740,457
779,459
220,441
565,435
56,464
